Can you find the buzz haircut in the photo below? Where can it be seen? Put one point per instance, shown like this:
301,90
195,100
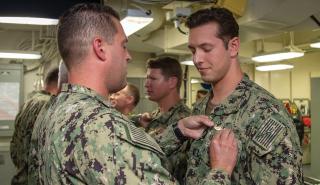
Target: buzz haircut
79,25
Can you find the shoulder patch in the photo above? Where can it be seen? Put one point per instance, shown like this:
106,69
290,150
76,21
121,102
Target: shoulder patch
140,137
268,133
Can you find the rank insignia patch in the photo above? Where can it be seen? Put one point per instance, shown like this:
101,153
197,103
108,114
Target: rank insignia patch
268,133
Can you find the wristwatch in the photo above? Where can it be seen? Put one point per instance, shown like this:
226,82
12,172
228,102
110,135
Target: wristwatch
178,133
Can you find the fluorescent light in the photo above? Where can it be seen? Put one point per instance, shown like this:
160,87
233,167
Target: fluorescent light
44,10
187,62
28,20
194,81
288,53
20,54
134,21
273,57
315,45
274,67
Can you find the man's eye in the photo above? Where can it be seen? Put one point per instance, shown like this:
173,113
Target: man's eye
124,45
207,49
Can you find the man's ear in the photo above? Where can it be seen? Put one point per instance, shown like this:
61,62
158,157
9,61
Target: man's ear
130,99
99,48
173,81
233,46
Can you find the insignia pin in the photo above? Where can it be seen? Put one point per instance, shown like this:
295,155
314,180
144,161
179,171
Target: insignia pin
218,128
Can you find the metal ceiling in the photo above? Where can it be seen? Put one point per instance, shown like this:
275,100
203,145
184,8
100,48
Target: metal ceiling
270,20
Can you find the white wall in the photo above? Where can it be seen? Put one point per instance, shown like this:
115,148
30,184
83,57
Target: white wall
293,83
29,80
137,66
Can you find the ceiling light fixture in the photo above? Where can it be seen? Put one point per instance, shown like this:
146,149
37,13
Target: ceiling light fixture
28,20
20,54
274,67
195,81
35,12
315,44
288,53
187,62
134,21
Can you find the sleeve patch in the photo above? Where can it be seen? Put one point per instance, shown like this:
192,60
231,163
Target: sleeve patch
140,137
268,133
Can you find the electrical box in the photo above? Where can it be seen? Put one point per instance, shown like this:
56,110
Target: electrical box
11,96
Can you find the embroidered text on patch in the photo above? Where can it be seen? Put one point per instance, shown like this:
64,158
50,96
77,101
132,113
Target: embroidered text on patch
268,133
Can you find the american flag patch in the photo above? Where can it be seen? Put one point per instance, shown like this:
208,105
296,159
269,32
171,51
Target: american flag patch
268,133
140,137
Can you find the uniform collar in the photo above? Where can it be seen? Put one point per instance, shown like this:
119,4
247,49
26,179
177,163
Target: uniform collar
178,104
73,88
232,103
237,98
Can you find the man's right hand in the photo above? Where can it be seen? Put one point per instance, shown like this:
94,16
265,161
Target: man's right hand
224,151
194,126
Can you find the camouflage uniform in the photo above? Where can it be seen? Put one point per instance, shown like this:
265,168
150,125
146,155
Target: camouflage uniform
86,141
34,159
160,121
20,142
177,164
269,149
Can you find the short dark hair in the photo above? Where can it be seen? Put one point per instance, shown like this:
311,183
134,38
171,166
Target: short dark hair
78,26
52,77
170,67
134,91
228,26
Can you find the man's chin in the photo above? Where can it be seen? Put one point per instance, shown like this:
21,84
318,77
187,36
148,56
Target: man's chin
206,79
